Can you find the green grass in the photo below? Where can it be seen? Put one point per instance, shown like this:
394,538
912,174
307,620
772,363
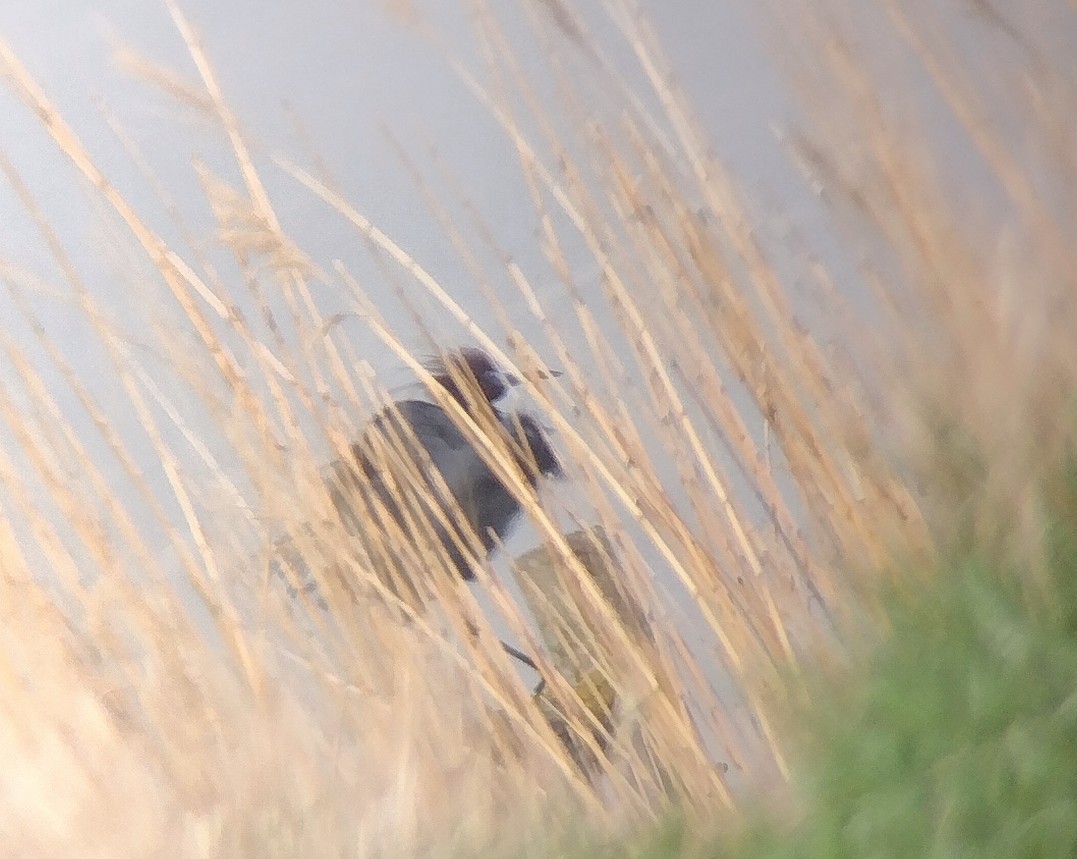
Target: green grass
963,740
960,737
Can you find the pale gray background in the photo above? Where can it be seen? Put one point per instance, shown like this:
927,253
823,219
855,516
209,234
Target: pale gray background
342,72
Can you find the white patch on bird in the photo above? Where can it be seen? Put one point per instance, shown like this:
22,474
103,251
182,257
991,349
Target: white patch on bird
515,399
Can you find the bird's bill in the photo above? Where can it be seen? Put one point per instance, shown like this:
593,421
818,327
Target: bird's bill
512,380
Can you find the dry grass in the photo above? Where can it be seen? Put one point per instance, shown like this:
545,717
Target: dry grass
175,699
954,197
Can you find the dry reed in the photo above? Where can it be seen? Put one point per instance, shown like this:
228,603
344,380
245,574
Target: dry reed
174,698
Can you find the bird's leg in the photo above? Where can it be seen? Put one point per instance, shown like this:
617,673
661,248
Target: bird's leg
515,653
522,657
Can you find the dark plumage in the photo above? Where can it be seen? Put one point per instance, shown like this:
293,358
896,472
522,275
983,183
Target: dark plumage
426,435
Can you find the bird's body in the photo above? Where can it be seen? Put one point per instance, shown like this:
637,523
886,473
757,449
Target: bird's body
417,493
413,463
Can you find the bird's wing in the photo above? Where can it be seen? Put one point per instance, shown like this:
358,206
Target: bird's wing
429,426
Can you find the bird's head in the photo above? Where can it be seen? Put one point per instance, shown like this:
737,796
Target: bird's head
470,362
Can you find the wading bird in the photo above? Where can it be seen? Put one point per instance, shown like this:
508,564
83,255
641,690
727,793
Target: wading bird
400,448
414,468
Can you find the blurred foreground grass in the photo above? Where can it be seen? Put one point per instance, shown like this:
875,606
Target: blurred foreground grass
790,470
957,736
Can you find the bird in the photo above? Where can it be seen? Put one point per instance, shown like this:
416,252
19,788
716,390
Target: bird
388,470
387,476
